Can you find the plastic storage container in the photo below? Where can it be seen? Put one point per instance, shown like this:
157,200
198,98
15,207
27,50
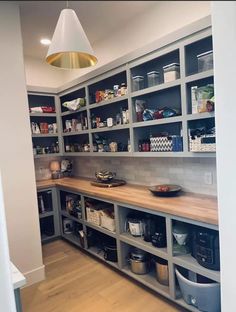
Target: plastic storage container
138,83
153,78
205,297
205,61
171,72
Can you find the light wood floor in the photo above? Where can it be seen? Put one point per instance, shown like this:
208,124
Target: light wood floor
77,282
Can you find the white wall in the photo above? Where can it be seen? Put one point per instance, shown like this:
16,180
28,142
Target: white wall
16,157
162,18
39,73
224,44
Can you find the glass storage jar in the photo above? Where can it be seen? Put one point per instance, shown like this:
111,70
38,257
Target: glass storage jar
153,78
205,61
138,83
171,72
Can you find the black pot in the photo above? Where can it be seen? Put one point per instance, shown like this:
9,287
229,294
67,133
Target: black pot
110,253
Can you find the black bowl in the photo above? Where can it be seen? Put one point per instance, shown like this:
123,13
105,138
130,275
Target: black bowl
173,190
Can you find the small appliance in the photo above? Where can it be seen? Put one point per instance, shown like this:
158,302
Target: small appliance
162,272
110,252
181,234
159,238
67,226
135,226
206,248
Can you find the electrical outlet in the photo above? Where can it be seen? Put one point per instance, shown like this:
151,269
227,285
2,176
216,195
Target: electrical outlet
208,178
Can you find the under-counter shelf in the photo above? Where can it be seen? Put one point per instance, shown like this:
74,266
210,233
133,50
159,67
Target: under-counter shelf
97,252
188,262
146,246
149,280
72,239
46,214
67,215
100,229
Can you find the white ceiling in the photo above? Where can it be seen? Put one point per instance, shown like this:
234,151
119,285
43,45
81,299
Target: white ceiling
98,18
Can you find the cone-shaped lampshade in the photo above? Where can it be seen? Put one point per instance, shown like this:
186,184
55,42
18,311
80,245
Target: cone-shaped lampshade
70,47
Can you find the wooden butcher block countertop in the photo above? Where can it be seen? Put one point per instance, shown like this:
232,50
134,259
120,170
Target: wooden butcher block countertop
188,205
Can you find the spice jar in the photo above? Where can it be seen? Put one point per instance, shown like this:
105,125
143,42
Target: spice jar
123,89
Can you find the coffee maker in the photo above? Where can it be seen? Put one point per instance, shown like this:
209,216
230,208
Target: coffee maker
180,232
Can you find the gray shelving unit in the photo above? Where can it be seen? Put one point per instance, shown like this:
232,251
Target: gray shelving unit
51,100
52,214
183,52
125,241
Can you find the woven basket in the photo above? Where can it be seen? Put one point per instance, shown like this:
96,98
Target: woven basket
196,144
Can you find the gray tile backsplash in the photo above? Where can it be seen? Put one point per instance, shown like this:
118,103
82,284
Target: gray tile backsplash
187,172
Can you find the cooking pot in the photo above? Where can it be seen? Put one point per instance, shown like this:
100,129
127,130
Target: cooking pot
139,267
110,253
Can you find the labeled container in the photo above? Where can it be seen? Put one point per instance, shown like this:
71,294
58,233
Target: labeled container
205,61
153,78
204,296
162,273
137,83
171,72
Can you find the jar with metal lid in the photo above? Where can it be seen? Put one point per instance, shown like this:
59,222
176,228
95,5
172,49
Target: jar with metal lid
153,78
138,83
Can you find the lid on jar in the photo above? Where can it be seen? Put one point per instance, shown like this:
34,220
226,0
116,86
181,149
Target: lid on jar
205,53
138,77
170,65
153,73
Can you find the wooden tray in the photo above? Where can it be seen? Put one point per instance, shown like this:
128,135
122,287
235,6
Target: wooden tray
112,183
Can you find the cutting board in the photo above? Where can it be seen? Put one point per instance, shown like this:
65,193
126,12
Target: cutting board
112,183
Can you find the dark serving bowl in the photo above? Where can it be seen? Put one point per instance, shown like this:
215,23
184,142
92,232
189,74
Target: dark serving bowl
173,190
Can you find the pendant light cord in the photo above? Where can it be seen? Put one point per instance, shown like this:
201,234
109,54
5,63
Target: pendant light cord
67,4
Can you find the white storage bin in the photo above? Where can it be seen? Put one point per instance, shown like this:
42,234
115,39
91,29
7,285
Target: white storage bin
171,72
197,144
205,297
205,61
108,223
93,215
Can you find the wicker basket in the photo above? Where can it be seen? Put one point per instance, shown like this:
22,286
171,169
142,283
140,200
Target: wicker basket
108,222
204,143
93,215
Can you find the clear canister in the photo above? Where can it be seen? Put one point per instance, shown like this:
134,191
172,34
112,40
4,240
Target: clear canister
153,78
138,83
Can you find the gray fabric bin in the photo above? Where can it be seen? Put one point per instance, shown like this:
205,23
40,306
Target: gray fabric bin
205,297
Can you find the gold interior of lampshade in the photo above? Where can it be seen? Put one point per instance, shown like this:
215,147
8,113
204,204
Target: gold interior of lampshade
71,60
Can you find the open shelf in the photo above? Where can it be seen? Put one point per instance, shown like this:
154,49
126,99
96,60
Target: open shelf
100,229
157,122
52,115
68,113
146,246
72,238
75,133
46,214
45,135
148,280
108,102
67,215
97,252
113,128
188,262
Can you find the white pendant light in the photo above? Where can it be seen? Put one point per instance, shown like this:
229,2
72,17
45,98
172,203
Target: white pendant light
70,47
